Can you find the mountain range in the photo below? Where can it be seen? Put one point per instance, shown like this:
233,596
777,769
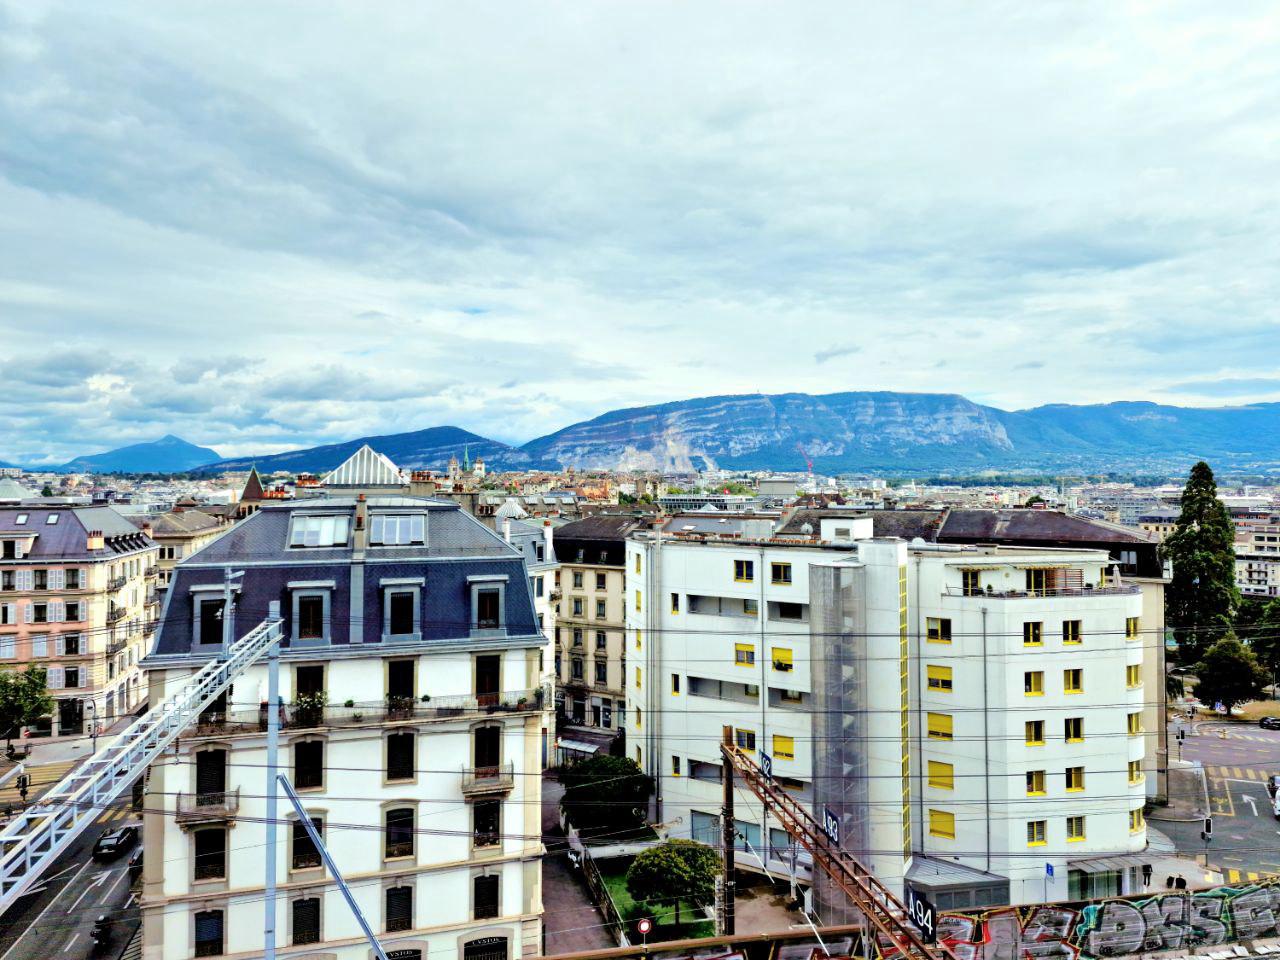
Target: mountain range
838,432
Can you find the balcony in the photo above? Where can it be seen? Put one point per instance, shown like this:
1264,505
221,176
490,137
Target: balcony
115,583
1126,589
481,781
195,809
308,716
115,646
116,614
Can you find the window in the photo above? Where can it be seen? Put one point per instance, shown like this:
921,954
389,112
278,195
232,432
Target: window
744,571
638,725
1033,683
602,640
209,621
1033,634
577,606
942,823
211,853
21,520
1135,771
637,601
782,659
1036,833
1075,828
577,580
1037,581
487,613
395,529
538,588
1071,631
401,610
602,671
1133,675
675,765
600,585
939,726
310,617
1035,783
575,669
51,519
308,764
305,855
1075,778
323,531
486,823
675,684
600,610
938,630
675,603
1035,733
577,636
780,573
791,696
1132,628
939,678
1073,681
399,833
744,654
401,750
638,678
1073,729
71,677
637,563
1136,821
970,583
399,909
751,608
784,748
208,933
486,897
790,611
745,739
1135,724
942,775
306,921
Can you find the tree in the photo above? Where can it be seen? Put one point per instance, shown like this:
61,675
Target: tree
1229,674
47,491
23,699
606,792
674,871
1201,599
1258,624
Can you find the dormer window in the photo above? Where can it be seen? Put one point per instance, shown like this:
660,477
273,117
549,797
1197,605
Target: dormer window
21,520
51,519
328,530
397,529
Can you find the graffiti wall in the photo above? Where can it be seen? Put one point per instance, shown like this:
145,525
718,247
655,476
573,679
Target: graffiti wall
1176,920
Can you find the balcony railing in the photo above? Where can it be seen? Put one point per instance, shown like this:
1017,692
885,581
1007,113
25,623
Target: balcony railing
391,710
115,646
499,778
194,808
115,583
116,614
1111,591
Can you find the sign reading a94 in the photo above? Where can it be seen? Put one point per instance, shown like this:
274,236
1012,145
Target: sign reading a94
922,915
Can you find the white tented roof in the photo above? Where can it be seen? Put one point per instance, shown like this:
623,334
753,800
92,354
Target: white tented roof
511,510
364,468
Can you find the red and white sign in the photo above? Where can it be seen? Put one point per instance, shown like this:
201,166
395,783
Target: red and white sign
645,925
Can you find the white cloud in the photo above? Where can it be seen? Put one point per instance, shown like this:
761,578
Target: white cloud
291,224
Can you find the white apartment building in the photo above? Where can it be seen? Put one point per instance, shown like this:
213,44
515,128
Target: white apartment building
413,718
962,763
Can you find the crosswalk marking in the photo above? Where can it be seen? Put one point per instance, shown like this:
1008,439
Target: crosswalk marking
43,777
1233,876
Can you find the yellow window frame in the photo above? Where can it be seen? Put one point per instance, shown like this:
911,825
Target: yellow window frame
942,775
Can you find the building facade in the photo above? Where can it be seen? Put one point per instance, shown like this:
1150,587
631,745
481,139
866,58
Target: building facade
77,598
969,714
178,534
412,715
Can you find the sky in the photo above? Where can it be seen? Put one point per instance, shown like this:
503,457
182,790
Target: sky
261,226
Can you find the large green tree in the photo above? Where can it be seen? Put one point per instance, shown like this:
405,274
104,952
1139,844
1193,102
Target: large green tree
23,699
1201,599
606,792
1229,673
672,872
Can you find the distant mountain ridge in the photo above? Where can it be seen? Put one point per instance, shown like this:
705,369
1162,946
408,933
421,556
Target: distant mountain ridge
169,454
840,432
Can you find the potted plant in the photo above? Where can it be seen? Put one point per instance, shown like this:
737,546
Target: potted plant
308,709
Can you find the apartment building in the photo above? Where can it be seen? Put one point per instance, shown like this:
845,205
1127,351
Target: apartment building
591,655
899,686
1258,556
77,599
179,533
412,716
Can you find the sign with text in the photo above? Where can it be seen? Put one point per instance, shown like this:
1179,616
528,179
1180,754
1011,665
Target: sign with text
831,825
766,765
922,915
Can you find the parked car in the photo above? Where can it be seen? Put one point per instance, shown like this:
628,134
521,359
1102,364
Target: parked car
135,864
1273,785
1275,805
115,842
1269,723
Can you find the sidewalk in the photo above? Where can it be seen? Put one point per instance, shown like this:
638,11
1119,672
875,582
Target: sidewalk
78,746
570,921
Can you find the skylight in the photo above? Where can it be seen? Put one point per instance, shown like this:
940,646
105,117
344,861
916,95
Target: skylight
51,519
21,520
319,531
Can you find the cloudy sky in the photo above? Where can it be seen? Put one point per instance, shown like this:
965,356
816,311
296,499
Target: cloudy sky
265,225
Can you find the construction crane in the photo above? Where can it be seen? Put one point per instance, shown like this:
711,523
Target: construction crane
804,453
884,912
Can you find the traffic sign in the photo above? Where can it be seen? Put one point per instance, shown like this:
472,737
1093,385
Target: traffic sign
644,925
766,765
922,915
831,825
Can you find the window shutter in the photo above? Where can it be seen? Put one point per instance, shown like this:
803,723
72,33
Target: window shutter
39,647
26,580
57,580
60,644
6,648
29,616
57,611
54,679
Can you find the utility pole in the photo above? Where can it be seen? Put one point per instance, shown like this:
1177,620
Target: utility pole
726,823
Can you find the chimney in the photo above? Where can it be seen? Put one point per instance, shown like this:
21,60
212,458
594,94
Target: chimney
95,541
549,538
506,529
361,539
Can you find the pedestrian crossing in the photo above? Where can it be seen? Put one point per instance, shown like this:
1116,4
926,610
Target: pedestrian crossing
1236,773
1252,737
43,776
1232,875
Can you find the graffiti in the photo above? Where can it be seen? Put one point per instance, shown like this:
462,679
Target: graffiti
1177,920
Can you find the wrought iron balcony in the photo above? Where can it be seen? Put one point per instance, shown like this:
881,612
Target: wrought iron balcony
200,808
479,781
116,614
115,583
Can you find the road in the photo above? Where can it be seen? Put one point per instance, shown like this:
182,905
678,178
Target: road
53,921
1237,759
